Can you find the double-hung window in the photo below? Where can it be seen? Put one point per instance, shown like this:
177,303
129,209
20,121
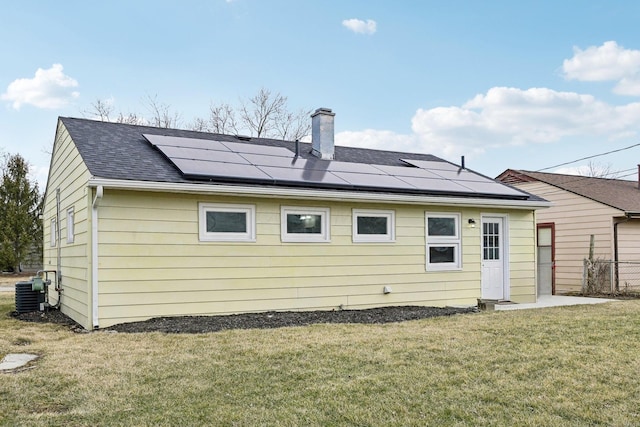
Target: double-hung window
443,241
373,226
302,224
227,222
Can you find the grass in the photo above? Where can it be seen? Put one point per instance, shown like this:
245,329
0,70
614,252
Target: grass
569,366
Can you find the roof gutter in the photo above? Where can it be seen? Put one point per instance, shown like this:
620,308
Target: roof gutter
315,194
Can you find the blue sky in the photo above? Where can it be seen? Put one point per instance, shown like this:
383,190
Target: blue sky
508,84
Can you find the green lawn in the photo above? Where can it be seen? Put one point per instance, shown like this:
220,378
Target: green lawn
570,366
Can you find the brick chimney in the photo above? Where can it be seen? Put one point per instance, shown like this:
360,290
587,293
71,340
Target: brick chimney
639,177
322,134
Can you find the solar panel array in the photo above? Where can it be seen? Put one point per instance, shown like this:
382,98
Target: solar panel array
242,162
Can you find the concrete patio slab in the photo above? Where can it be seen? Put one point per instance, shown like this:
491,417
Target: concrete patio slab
553,301
16,360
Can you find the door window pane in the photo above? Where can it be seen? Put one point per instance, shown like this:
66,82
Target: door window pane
544,236
490,241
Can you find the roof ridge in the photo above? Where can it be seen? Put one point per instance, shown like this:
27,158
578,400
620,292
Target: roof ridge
574,176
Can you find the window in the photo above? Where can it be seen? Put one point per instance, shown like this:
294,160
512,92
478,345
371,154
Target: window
223,222
373,226
54,231
304,224
443,241
70,225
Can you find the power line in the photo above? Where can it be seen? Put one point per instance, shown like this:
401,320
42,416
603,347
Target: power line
589,157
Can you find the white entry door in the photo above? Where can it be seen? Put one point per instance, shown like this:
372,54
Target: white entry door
493,258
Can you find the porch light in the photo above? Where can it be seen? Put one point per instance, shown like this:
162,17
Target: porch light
472,223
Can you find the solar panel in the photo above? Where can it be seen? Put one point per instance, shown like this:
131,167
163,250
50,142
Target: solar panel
336,166
439,185
237,161
431,164
302,176
204,169
175,141
196,154
275,161
265,150
371,180
491,188
461,175
406,171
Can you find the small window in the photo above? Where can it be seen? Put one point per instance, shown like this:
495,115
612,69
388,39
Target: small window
54,232
70,225
373,226
223,222
304,224
443,241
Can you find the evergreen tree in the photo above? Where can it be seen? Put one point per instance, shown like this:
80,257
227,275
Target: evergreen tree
20,205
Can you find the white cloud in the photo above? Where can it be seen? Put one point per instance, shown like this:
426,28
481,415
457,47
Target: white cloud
609,62
359,26
504,117
49,88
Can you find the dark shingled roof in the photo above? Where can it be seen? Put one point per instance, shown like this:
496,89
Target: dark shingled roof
617,193
120,151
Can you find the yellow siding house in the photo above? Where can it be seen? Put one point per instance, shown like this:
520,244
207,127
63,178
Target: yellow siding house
143,222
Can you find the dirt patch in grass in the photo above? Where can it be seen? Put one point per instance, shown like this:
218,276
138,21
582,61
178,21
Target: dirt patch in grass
268,320
49,316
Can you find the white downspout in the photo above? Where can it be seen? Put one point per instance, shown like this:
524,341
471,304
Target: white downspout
94,255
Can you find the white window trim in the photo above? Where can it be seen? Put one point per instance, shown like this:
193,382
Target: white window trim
325,221
446,241
390,235
70,225
248,210
54,232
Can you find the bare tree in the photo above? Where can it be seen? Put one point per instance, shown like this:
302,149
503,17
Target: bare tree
264,115
598,170
100,109
261,112
223,119
130,119
161,114
199,125
293,126
103,111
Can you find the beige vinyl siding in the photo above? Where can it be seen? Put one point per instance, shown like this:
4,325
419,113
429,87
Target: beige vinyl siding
576,218
522,257
68,173
153,264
